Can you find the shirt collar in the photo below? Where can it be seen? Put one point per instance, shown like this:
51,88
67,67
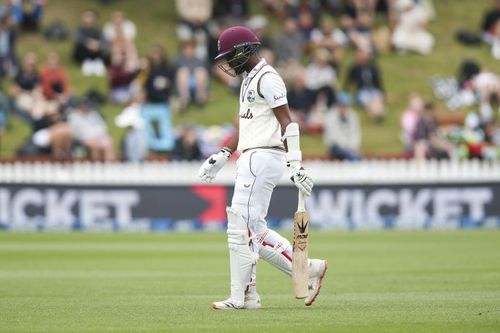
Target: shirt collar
257,68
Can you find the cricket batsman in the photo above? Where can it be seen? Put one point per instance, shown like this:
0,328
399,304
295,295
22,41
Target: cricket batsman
269,142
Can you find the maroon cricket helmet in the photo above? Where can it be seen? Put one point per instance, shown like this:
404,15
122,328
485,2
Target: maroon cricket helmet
235,46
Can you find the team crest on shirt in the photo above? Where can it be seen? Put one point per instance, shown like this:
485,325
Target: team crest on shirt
251,96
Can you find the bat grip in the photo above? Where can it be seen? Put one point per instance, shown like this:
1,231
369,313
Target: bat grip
301,206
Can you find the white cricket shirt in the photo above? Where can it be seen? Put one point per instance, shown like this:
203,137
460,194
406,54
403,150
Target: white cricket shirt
261,90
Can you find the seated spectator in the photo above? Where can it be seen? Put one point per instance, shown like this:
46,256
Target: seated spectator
91,131
487,86
8,58
186,145
320,77
428,143
120,80
300,99
28,13
26,89
54,80
191,76
342,130
194,26
4,109
410,33
90,48
289,44
491,151
358,29
409,120
134,144
331,39
365,76
52,134
258,24
489,26
235,10
120,36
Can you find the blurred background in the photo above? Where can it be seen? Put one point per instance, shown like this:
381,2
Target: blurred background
378,87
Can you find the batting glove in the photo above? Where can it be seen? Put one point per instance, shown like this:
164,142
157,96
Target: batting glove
300,178
213,164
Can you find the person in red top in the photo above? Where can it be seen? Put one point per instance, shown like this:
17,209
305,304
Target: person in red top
54,80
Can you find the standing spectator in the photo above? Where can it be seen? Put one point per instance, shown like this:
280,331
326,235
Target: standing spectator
156,110
409,121
365,76
289,44
410,33
159,81
55,86
186,145
191,76
342,131
428,144
8,57
28,13
120,36
91,131
90,48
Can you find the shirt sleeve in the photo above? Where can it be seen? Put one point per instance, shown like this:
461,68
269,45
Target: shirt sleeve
273,89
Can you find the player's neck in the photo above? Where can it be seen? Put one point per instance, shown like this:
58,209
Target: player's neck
252,62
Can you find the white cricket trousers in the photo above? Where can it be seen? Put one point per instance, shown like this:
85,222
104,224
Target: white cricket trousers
258,173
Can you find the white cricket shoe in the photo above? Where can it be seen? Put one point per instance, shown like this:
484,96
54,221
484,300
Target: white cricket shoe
317,271
252,302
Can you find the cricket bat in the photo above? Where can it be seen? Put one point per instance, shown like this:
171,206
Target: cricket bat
299,259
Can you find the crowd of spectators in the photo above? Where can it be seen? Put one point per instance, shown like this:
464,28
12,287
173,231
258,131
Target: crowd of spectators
325,88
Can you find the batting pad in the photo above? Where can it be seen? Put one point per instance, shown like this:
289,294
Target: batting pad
241,259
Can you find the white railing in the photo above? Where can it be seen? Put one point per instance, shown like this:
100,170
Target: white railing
185,173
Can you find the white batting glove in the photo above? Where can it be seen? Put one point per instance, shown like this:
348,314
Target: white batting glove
213,164
300,178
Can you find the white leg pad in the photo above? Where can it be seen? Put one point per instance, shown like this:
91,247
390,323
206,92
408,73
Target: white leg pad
241,259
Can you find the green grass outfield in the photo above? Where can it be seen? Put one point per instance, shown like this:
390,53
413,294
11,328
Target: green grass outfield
378,282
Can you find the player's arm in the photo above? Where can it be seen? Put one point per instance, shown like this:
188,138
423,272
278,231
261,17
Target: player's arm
215,162
233,142
291,138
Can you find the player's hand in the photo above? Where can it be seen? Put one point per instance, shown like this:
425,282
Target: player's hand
212,165
300,178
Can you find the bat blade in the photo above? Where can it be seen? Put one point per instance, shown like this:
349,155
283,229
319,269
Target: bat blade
299,260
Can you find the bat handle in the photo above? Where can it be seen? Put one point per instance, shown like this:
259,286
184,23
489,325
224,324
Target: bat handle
301,207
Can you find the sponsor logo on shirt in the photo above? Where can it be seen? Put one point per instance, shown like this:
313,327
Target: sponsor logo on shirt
278,97
251,96
247,115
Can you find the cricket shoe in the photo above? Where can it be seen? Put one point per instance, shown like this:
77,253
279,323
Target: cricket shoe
252,302
317,271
